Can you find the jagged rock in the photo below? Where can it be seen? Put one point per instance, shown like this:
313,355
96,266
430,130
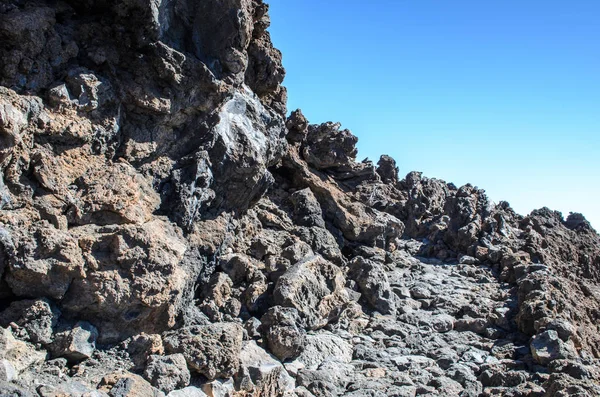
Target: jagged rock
7,371
315,288
18,355
547,346
387,169
167,373
151,186
38,317
44,262
373,282
245,146
260,374
136,280
10,389
297,126
237,266
113,194
127,385
142,346
320,347
76,343
189,391
326,146
307,209
218,297
563,384
285,339
212,350
330,379
71,388
217,388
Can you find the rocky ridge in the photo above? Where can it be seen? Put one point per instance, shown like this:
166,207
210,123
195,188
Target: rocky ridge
165,229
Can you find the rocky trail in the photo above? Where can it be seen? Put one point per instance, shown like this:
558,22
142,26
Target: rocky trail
167,228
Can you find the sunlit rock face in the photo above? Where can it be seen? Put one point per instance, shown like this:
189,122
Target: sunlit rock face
165,229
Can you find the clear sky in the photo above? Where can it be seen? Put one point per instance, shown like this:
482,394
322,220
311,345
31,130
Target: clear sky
504,94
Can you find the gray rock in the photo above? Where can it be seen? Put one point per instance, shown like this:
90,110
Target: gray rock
211,350
322,346
18,355
297,126
252,327
260,374
12,390
329,380
387,169
189,391
327,146
547,346
374,284
420,291
142,346
38,317
167,373
285,339
307,209
76,343
315,288
219,388
7,371
443,322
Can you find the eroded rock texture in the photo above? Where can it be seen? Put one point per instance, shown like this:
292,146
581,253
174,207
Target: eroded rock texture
165,229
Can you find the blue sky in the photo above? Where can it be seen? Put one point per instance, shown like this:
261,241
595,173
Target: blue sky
501,94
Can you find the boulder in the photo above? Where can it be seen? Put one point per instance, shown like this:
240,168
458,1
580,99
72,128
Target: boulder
327,146
211,350
167,373
297,126
77,343
547,347
142,346
126,384
137,279
315,288
285,339
17,356
322,346
260,374
374,284
8,371
387,169
307,210
189,391
37,316
44,261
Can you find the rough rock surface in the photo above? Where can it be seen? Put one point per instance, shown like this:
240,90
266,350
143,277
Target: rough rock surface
165,229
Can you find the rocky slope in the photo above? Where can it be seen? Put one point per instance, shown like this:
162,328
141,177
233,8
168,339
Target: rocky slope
165,229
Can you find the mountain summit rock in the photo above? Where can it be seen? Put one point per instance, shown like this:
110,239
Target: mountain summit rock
166,229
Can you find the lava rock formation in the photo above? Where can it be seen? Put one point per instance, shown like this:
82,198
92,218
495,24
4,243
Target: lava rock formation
165,229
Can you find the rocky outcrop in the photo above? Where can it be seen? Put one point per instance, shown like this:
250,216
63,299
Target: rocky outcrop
166,230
